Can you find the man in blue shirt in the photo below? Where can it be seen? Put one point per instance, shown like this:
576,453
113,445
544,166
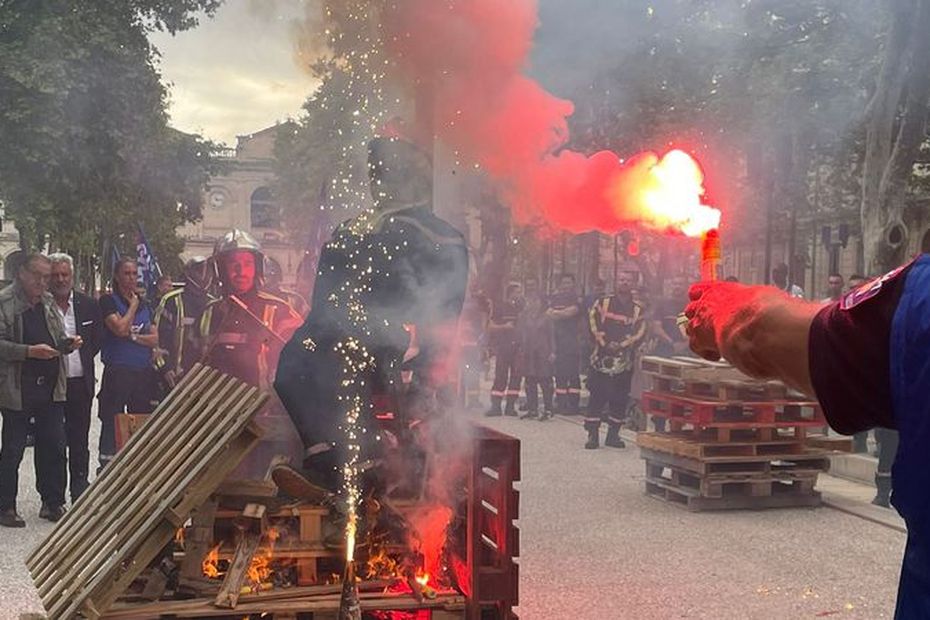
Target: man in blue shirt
867,360
126,352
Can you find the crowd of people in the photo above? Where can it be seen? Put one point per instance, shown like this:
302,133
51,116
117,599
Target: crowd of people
51,333
543,344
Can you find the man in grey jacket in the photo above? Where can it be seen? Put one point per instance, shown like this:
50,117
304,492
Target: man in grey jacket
33,384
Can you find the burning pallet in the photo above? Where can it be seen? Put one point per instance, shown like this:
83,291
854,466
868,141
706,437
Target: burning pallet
165,516
722,452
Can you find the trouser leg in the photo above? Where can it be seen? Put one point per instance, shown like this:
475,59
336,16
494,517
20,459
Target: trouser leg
574,394
514,379
619,398
598,386
77,429
531,386
50,454
545,383
12,447
501,379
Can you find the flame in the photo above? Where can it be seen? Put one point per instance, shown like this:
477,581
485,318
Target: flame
668,192
260,570
422,578
209,564
179,537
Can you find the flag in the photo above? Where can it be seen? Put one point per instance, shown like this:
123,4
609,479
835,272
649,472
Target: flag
149,271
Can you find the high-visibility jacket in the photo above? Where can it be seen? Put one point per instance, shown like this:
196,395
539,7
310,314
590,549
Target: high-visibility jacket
237,344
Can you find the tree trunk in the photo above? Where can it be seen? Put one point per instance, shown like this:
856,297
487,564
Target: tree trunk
895,126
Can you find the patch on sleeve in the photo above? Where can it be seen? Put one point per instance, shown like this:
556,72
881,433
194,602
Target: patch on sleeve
869,290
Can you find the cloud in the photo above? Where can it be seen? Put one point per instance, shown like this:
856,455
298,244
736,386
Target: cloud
236,73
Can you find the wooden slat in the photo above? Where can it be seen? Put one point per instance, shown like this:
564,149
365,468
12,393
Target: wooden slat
169,468
169,407
142,486
178,473
228,595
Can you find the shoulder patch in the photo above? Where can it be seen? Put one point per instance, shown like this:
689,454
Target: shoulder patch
869,290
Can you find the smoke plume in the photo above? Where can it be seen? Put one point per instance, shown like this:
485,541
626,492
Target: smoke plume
465,62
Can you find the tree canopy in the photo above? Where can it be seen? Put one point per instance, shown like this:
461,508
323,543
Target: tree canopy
87,148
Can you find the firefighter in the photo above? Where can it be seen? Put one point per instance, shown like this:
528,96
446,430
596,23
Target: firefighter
176,319
274,284
397,264
618,325
505,342
565,312
243,331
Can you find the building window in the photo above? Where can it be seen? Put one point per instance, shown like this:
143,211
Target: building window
265,211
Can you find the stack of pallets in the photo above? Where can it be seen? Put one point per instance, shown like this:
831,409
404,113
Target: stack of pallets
731,442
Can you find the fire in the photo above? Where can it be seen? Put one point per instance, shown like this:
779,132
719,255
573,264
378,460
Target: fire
422,578
668,192
260,570
209,565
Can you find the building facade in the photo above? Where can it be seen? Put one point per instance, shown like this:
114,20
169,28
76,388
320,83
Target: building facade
241,197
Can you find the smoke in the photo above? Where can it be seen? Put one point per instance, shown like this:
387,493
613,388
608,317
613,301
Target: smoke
465,62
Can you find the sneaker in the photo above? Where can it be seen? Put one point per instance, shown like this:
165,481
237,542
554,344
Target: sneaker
51,512
294,484
545,415
529,415
10,518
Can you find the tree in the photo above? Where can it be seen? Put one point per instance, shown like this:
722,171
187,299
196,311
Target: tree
896,121
87,150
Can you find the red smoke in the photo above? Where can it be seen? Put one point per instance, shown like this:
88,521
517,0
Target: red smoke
465,59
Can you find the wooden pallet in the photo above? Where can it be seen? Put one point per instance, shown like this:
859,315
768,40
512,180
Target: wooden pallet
704,444
811,462
753,484
691,500
446,606
835,444
305,546
198,434
723,390
706,413
691,369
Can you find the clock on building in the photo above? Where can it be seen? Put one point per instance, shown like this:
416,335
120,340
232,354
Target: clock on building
217,200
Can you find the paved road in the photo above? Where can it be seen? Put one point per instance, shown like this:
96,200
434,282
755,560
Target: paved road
595,547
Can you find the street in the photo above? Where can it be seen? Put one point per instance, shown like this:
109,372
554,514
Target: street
595,547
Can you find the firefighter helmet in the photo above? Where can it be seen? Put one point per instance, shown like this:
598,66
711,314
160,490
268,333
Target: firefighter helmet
198,271
237,240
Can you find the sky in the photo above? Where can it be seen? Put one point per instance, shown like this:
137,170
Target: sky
238,72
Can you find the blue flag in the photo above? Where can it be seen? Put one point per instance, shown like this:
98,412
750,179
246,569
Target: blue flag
149,271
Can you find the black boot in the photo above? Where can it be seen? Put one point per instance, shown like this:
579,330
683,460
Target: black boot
883,490
511,409
495,410
613,437
594,438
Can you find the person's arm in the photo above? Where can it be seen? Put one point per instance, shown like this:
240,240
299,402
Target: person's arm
639,329
120,325
759,329
659,331
594,325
